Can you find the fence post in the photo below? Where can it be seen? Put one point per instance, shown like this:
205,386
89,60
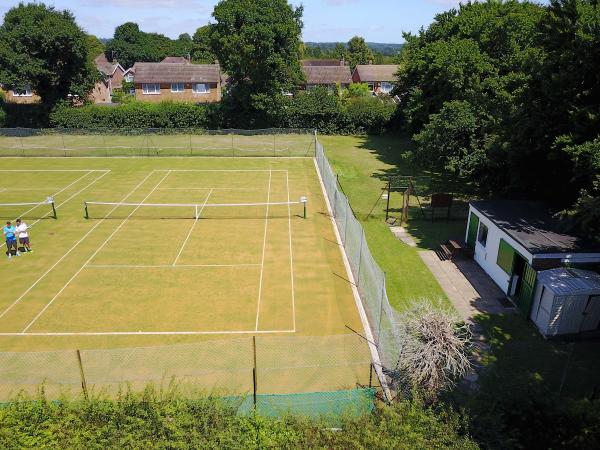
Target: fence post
381,308
254,375
389,194
362,240
62,137
82,375
370,375
191,146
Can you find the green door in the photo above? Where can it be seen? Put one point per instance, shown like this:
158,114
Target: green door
524,295
472,234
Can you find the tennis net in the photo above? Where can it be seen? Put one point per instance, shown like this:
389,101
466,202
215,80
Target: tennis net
260,210
28,210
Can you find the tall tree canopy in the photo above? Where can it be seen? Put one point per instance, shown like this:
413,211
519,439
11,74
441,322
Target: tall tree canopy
201,49
508,94
258,44
130,45
44,49
358,52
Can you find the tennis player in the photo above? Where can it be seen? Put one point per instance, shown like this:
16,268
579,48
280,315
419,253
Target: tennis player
11,239
22,228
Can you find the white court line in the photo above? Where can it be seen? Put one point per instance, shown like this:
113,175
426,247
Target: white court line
145,333
287,183
207,188
262,263
192,228
164,266
222,170
93,255
106,172
7,309
47,170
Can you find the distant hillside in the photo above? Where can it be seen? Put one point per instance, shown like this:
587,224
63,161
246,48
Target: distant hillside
385,49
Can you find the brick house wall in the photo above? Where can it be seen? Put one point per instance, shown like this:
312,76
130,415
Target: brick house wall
186,96
9,97
101,93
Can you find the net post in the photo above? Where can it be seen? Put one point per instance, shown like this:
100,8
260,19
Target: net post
304,201
387,208
82,375
370,375
254,376
53,210
85,207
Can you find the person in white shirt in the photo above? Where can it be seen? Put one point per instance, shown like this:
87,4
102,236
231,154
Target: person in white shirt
22,228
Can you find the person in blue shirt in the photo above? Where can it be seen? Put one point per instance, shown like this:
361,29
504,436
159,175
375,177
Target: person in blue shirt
10,234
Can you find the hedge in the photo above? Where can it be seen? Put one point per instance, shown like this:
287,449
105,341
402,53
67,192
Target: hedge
161,420
136,115
318,109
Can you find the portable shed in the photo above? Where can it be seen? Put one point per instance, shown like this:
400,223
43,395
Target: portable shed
566,302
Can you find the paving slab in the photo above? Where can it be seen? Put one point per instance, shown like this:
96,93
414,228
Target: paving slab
403,235
468,287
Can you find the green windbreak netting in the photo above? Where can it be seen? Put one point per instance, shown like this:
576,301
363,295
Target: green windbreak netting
353,402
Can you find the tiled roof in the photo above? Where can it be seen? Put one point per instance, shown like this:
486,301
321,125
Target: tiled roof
176,73
104,65
175,60
322,62
377,72
327,74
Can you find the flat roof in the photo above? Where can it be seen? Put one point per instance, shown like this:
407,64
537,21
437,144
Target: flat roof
533,226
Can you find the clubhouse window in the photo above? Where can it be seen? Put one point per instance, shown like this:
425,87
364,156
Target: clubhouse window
200,88
177,87
151,88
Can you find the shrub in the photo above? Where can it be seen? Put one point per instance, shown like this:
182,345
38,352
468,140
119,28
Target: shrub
165,420
135,115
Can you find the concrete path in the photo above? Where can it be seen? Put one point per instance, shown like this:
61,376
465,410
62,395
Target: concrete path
468,287
402,234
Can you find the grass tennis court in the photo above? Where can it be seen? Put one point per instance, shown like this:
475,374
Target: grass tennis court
136,276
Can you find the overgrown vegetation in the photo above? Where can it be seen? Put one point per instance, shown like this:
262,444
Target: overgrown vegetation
155,419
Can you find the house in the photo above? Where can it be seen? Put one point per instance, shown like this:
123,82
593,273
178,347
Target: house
20,96
177,81
379,77
113,75
329,76
513,240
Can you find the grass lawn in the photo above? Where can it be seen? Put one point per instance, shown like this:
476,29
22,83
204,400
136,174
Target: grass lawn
363,164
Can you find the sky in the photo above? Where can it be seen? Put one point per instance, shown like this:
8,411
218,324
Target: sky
324,20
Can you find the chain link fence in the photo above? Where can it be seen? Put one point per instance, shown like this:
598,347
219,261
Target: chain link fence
368,276
316,374
273,142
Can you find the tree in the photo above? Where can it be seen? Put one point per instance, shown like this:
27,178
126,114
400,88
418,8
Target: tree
95,47
44,49
130,45
258,44
358,52
201,46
